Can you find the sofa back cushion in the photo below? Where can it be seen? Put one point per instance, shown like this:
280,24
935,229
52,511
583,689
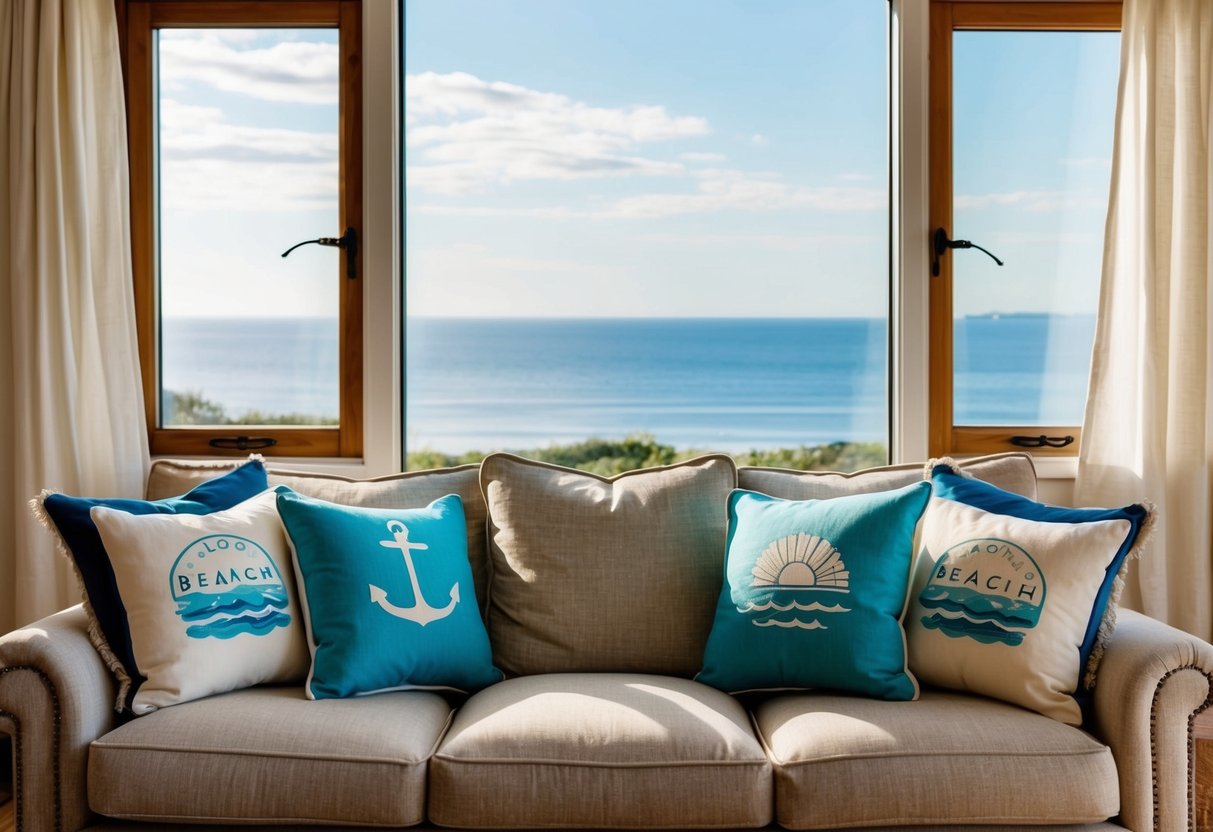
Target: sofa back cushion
1010,472
597,574
415,489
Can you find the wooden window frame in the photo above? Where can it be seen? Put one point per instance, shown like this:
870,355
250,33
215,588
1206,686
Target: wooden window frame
948,16
138,19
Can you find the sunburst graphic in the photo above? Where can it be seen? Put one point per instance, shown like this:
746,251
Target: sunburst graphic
802,561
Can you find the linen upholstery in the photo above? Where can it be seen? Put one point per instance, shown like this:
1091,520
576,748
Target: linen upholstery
1152,681
270,754
57,697
605,751
414,489
1010,471
595,574
843,761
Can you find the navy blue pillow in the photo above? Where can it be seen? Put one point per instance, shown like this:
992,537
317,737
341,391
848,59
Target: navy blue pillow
70,516
951,485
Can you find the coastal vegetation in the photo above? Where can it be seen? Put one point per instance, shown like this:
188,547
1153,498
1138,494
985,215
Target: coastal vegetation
192,408
604,457
607,457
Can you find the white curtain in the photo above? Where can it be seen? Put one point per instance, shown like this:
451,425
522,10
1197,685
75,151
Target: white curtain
71,404
1149,419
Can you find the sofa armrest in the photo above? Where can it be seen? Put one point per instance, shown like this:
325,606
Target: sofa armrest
56,696
1151,684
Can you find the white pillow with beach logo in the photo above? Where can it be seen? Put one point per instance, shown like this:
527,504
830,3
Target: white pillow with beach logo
1000,605
210,599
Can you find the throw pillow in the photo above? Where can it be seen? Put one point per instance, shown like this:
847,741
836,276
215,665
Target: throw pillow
387,597
1013,471
210,600
411,489
68,518
951,483
592,573
1001,604
814,593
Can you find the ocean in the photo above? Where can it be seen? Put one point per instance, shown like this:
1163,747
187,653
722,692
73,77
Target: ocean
722,384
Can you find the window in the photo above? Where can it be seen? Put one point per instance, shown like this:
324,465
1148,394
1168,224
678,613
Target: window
1023,102
637,230
245,134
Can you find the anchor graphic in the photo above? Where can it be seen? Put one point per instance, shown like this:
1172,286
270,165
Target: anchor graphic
421,612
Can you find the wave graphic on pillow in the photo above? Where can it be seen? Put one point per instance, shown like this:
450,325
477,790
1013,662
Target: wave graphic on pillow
226,586
988,590
799,568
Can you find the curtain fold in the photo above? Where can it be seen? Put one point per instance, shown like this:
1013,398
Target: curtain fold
1148,430
73,415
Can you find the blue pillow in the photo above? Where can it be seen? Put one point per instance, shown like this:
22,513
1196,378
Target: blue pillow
814,593
78,534
950,485
387,597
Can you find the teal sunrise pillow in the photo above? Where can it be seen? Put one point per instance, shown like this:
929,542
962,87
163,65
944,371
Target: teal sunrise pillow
814,594
387,597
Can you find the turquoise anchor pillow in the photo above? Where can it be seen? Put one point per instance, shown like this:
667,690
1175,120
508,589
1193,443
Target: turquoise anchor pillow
814,593
387,597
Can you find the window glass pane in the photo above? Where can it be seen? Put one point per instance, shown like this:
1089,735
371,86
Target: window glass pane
637,219
247,166
1032,148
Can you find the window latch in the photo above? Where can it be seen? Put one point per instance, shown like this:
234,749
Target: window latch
942,244
347,241
1041,441
242,443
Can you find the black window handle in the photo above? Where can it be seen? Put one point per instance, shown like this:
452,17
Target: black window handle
1041,441
941,243
242,443
347,241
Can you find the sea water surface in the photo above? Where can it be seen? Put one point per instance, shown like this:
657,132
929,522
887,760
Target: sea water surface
729,384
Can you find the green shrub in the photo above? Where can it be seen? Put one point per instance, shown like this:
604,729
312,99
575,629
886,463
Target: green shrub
641,450
191,408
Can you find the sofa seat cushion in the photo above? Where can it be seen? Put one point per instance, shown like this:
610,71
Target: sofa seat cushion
948,758
606,751
268,755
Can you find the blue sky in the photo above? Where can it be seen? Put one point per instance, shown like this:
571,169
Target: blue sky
576,157
649,159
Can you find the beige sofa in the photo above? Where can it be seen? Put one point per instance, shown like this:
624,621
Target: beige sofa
622,749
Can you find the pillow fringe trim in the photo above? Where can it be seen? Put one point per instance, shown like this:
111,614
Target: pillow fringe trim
1107,626
945,462
94,627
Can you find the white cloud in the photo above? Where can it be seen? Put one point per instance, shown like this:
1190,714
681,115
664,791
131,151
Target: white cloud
210,163
464,133
771,242
302,72
729,190
758,139
1088,162
1034,201
1056,238
553,213
855,177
